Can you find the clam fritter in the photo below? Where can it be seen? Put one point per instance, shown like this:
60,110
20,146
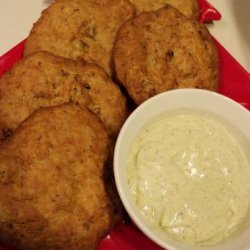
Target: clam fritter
80,30
163,50
42,79
52,180
189,8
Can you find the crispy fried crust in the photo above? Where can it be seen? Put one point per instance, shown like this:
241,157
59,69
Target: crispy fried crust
42,80
163,50
81,30
52,180
189,8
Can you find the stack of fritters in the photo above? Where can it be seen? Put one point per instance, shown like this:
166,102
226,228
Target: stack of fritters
60,113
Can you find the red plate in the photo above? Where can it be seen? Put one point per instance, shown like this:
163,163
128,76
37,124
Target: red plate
208,12
235,83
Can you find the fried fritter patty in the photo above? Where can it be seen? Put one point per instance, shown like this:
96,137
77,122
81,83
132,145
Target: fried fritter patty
163,50
189,8
81,30
42,79
52,180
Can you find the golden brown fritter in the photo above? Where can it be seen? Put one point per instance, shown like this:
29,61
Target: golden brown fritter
42,79
52,180
163,50
189,8
81,30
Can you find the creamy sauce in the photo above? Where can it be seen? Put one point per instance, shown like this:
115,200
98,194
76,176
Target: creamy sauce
190,177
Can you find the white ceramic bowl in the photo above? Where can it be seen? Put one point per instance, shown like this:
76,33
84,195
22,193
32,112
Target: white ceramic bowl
223,109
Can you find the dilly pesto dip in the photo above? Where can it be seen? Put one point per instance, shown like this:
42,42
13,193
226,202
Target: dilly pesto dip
190,177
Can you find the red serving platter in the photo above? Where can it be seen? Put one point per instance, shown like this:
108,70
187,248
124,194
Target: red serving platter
234,83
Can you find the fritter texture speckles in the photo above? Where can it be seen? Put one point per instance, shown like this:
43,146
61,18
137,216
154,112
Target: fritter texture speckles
80,30
52,179
163,50
42,79
189,8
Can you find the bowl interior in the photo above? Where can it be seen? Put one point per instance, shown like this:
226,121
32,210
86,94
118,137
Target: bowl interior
222,108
